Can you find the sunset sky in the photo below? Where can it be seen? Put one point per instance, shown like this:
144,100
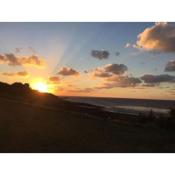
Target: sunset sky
128,60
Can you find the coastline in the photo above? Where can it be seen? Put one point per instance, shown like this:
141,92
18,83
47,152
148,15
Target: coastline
126,106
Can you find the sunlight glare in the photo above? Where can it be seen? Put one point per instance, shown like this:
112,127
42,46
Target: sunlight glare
40,86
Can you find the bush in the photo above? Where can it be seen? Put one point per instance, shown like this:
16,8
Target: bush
168,122
151,116
172,113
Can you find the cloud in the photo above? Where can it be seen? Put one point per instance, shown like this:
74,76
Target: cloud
116,75
129,81
54,79
66,71
32,60
127,45
125,81
110,70
159,38
101,72
117,81
85,90
85,71
8,74
152,80
113,79
116,68
100,54
22,74
2,59
170,66
121,81
13,60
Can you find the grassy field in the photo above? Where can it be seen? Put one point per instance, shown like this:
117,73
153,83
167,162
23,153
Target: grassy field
27,128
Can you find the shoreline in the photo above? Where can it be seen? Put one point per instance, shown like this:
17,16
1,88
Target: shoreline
123,109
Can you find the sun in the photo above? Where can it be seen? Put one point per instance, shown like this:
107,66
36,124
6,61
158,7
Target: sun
40,86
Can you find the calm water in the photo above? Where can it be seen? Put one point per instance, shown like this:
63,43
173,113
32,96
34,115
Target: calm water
132,106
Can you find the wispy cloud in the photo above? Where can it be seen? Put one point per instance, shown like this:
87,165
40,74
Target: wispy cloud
54,79
22,74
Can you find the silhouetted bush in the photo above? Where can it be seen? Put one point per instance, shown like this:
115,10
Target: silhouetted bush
167,122
151,116
172,113
171,120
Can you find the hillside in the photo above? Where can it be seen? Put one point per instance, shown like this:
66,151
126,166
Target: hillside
36,122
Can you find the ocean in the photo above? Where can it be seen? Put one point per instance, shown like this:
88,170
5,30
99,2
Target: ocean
128,106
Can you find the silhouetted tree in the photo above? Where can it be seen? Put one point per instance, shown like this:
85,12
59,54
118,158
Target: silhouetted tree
168,122
151,116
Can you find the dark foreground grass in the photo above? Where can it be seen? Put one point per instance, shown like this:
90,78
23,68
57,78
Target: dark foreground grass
34,129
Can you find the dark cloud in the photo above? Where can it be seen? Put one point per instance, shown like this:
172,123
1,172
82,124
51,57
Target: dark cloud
13,60
122,81
116,68
22,73
152,80
170,67
158,38
66,71
100,54
110,70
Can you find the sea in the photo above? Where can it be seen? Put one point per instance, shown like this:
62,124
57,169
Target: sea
128,106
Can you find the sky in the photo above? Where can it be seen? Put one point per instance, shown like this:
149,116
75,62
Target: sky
126,60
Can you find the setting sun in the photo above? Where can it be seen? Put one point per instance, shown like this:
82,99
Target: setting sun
40,86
